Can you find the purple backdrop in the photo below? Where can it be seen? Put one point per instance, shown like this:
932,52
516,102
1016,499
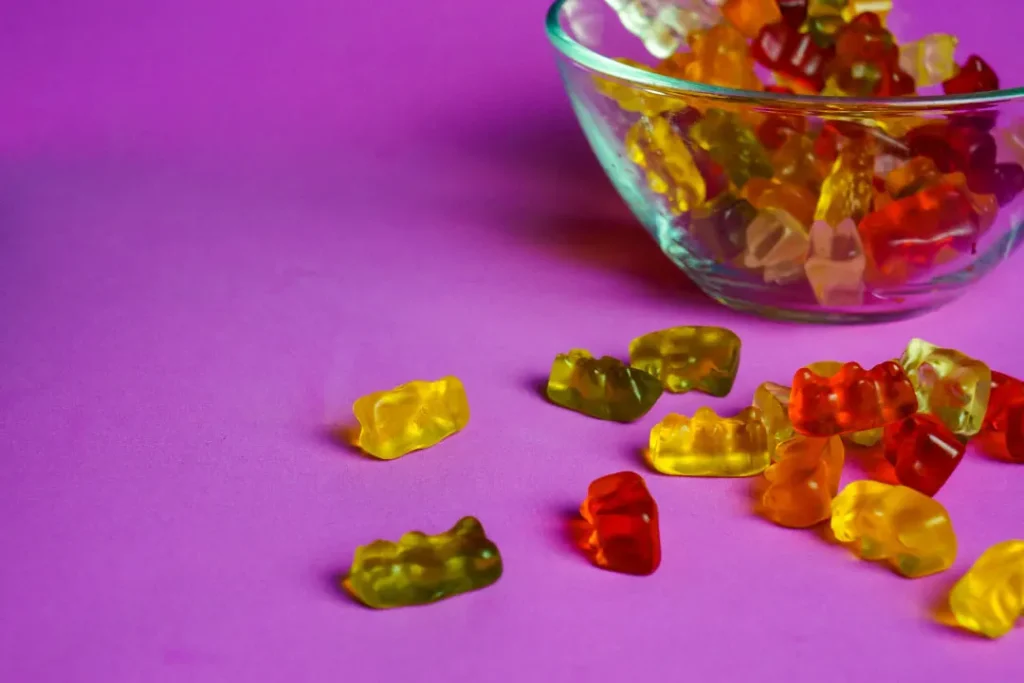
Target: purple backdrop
222,221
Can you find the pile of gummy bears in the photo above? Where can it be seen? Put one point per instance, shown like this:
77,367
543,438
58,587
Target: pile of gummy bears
918,411
836,201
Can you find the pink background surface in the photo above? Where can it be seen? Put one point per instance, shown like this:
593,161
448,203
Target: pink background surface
222,221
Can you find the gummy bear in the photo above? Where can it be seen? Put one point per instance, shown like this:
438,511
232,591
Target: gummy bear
421,569
949,384
824,29
801,481
749,16
796,200
773,401
915,175
865,51
689,358
733,145
1003,426
621,525
848,191
796,161
783,49
930,60
912,234
720,226
605,388
721,57
410,417
710,446
633,99
835,266
664,28
974,76
866,437
989,598
852,400
655,145
776,242
896,524
923,451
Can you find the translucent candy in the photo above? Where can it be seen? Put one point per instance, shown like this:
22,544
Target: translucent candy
778,243
750,16
849,191
689,358
949,384
410,417
930,60
989,599
906,529
604,388
835,266
707,445
656,146
773,401
801,481
621,525
421,569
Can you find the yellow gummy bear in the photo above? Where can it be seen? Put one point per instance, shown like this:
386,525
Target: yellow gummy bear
707,445
989,598
895,524
689,358
421,569
773,401
655,146
410,417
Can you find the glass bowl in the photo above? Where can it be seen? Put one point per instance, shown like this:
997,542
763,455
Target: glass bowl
802,206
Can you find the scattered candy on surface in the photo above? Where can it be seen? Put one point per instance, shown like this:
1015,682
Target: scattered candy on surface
1003,428
704,359
989,598
621,525
410,417
923,451
773,401
708,445
605,388
420,569
801,481
852,400
950,385
895,524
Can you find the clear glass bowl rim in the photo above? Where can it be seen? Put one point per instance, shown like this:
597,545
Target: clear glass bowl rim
597,62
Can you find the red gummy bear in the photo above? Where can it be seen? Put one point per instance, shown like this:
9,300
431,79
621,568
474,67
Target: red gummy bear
1003,428
782,48
852,400
923,450
974,76
910,234
621,524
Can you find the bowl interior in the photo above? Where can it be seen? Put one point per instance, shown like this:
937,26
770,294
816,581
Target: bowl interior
992,29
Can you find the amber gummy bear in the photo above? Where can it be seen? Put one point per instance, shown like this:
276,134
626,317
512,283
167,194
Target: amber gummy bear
708,445
410,417
621,525
689,358
420,569
801,481
605,388
989,598
902,527
852,400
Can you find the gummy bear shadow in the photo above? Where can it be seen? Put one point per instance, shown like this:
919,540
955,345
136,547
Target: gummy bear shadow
346,436
574,213
942,616
870,460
